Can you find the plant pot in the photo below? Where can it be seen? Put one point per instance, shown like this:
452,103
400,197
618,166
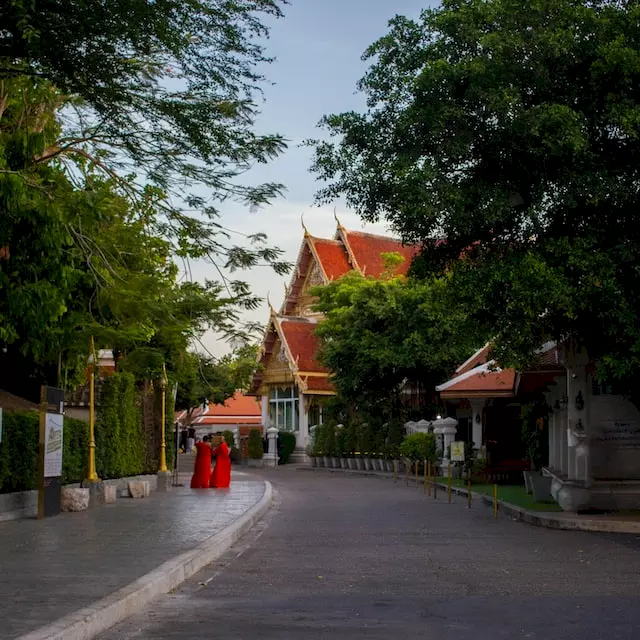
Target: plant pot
527,481
312,461
359,463
319,461
541,486
336,462
328,464
256,463
388,466
380,463
353,465
344,463
367,464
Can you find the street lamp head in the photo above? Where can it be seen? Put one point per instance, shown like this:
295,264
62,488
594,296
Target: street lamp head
163,379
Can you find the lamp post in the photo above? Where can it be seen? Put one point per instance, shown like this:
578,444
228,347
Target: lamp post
163,444
92,476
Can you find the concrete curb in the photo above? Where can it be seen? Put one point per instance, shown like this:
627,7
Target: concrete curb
90,621
539,519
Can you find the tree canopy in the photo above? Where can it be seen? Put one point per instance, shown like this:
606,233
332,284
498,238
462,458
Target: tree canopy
380,333
511,129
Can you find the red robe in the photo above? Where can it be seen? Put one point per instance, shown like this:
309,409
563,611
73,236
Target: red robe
200,478
221,474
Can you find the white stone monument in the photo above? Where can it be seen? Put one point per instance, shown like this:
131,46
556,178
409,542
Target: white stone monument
271,458
447,428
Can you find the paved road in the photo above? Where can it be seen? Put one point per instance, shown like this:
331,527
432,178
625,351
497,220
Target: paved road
364,558
50,568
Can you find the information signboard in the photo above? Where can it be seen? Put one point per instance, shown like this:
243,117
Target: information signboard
457,451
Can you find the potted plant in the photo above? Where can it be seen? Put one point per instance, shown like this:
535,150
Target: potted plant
419,447
255,448
533,415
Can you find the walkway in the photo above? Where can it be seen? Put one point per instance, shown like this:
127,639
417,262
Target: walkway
353,557
56,566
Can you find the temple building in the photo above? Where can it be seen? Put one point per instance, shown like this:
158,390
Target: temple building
590,439
292,385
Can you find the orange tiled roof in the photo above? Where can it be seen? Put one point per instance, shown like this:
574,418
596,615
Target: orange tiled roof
303,343
316,383
213,420
479,357
367,249
238,405
480,382
333,257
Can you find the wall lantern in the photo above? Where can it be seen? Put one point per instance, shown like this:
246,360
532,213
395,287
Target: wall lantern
579,401
478,418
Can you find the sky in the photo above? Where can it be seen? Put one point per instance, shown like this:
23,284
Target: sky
317,48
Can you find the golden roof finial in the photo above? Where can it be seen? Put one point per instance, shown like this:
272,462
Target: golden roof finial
272,311
306,231
335,215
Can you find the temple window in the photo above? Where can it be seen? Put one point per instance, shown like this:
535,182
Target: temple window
283,408
316,414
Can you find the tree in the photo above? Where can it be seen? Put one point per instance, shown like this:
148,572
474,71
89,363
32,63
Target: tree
80,258
379,333
204,379
512,129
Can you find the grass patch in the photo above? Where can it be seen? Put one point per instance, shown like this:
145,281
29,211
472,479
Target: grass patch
514,494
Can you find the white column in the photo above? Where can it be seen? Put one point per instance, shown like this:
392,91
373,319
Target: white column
578,422
477,407
264,401
302,437
271,458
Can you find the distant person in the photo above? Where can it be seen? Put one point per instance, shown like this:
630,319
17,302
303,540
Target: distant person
202,467
190,443
221,474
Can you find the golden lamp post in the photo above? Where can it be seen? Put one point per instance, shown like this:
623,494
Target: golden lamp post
92,476
163,444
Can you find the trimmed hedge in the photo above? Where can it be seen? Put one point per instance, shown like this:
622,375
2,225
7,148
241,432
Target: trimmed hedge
255,448
286,446
120,446
19,451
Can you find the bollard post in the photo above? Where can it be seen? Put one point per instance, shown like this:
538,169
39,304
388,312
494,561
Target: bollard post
406,473
449,485
435,487
425,478
495,500
429,481
469,494
417,467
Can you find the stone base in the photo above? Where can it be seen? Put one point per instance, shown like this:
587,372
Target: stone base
270,460
96,492
110,493
573,497
255,463
139,489
165,481
74,499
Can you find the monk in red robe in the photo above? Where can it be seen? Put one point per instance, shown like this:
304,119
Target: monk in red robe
221,474
202,469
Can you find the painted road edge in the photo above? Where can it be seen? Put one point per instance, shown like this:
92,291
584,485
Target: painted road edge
90,621
547,519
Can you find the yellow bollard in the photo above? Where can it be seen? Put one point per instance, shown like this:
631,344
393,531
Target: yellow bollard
469,494
435,485
429,480
425,478
406,474
449,484
417,481
395,471
495,500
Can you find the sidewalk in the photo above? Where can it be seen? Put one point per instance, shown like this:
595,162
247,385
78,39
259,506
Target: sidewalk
54,567
605,523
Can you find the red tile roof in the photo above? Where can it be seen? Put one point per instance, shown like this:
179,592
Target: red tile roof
238,405
367,249
333,257
481,383
303,342
213,420
479,357
316,383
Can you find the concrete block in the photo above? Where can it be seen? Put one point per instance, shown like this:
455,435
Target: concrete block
139,489
74,499
109,493
165,481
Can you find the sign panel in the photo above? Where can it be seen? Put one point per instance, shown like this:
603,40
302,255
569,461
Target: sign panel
53,445
457,451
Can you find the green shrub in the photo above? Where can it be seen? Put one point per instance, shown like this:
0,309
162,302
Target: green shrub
286,446
419,446
319,435
120,445
19,465
350,440
254,446
330,446
228,438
